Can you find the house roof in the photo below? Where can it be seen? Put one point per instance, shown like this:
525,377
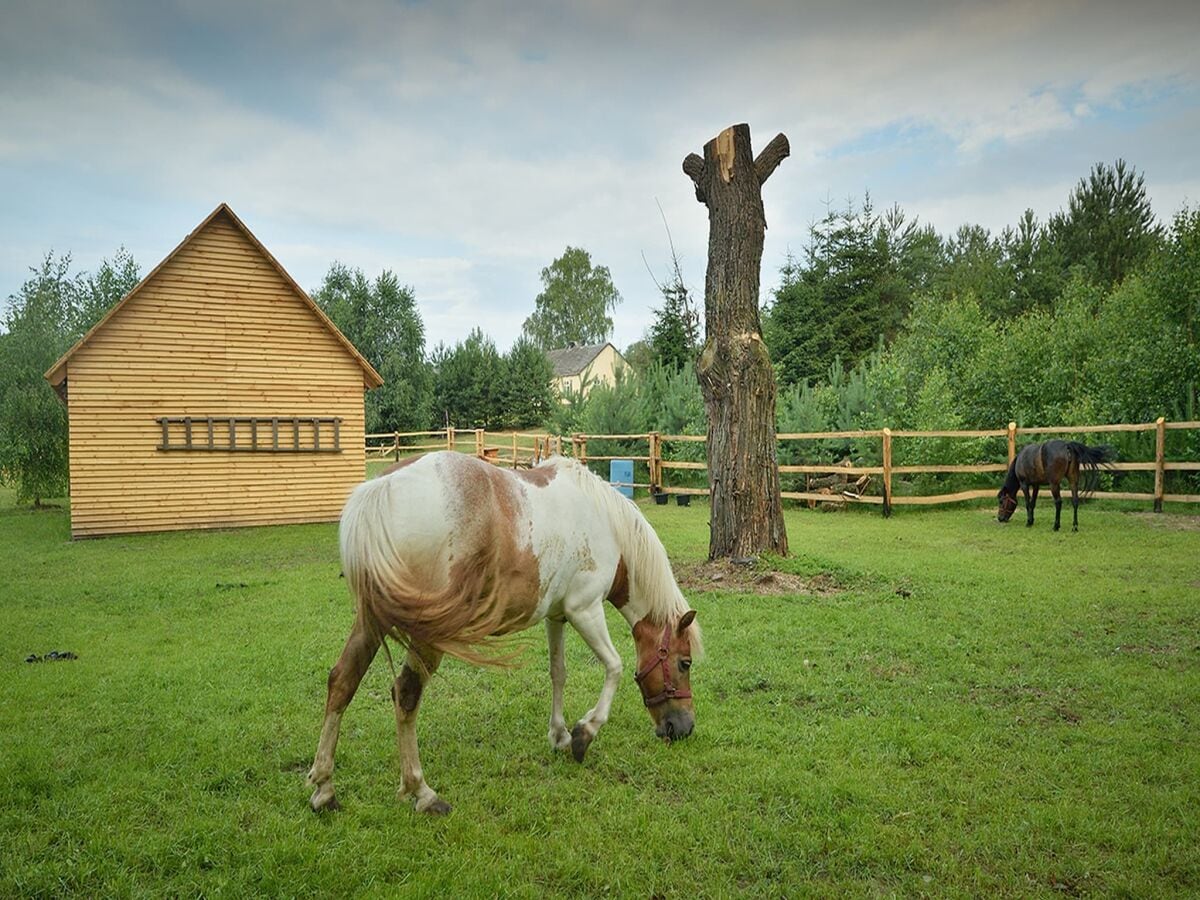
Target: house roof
574,359
57,374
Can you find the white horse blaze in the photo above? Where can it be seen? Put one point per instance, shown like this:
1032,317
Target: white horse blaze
448,551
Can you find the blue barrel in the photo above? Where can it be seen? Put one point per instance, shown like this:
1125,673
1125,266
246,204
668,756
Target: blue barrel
620,475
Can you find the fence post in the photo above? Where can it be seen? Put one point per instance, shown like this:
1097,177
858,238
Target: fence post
449,437
515,451
887,472
655,462
1012,442
479,442
1160,440
396,446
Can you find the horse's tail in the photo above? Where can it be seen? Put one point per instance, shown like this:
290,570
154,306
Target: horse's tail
457,618
1092,459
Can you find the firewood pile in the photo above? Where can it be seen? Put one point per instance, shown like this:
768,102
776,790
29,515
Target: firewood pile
837,486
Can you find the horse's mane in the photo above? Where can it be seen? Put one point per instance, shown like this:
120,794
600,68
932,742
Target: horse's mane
650,576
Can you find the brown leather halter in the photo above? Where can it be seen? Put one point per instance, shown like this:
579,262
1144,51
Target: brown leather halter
1008,503
669,691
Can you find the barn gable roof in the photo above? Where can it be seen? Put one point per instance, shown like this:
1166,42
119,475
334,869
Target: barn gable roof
574,359
57,374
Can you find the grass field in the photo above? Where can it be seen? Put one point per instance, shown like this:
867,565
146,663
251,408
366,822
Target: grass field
963,708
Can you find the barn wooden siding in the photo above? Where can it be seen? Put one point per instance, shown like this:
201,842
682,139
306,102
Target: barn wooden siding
217,330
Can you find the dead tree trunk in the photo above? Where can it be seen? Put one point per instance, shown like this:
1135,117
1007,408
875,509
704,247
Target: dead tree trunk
734,369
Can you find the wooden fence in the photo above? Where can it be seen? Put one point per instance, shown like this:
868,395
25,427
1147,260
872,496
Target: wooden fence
512,449
528,449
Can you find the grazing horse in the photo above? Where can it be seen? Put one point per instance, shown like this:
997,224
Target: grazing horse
445,552
1049,463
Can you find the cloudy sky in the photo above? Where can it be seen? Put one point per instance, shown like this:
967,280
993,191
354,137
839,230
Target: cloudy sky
465,145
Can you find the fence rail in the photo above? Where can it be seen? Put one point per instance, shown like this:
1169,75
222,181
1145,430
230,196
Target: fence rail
518,449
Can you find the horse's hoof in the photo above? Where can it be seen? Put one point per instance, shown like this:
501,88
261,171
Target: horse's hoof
320,805
436,807
580,740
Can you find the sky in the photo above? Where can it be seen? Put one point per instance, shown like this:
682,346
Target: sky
464,146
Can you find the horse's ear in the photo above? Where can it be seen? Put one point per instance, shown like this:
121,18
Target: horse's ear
688,618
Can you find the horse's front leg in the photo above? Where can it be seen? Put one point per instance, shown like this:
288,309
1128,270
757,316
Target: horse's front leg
593,629
1030,502
1054,489
560,738
406,696
344,679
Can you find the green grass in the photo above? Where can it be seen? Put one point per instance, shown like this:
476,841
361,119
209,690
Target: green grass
982,710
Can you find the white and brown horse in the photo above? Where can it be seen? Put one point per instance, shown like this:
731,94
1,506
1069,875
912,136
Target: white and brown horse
445,552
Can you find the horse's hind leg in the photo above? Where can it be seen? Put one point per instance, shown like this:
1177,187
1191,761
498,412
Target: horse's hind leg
406,694
1054,489
344,677
1075,502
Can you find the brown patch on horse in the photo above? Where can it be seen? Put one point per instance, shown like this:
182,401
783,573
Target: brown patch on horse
491,588
538,477
397,466
618,592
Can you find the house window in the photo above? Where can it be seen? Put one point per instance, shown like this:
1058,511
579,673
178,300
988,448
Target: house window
251,434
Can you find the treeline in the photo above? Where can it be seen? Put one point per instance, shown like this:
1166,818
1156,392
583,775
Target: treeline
1087,318
468,385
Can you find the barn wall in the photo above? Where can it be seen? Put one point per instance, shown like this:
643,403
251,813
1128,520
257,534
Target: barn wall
217,331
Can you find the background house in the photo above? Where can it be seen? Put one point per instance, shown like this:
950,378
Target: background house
579,366
215,393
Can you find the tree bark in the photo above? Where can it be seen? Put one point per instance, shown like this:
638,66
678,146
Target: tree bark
734,368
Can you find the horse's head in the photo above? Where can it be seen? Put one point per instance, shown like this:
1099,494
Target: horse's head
664,662
1008,505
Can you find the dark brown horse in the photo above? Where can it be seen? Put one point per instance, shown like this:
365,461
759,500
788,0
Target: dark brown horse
1049,463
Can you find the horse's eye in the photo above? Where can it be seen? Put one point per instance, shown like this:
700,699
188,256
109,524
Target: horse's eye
685,664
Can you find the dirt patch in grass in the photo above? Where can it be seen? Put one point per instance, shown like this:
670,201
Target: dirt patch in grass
1172,521
752,578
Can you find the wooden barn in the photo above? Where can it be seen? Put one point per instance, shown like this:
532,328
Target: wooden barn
214,394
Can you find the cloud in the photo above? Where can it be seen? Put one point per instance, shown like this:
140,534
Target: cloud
464,147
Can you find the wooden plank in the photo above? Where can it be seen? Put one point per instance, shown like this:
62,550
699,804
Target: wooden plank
826,435
950,469
991,432
1085,429
680,464
831,498
942,498
832,470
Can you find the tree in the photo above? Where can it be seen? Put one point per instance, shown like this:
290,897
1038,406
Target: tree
1108,227
734,368
381,319
574,304
638,355
1035,266
527,395
853,288
97,293
468,382
675,332
49,313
